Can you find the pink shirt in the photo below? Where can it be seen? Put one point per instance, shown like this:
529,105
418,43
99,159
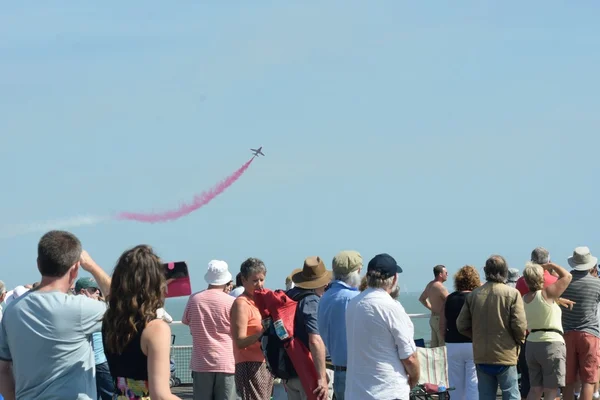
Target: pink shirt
207,313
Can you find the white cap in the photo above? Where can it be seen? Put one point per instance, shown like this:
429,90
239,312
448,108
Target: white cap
15,293
218,273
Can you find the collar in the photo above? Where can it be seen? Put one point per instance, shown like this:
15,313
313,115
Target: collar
344,285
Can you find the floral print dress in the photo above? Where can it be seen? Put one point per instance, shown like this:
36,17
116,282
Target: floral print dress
131,389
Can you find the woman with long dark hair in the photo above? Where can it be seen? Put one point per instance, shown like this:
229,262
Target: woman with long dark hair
137,343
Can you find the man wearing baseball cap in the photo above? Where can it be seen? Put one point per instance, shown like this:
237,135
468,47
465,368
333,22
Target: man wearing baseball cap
331,319
378,326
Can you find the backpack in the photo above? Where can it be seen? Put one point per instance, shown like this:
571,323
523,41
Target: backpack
273,347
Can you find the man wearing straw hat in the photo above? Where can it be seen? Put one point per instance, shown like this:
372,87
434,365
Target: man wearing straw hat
313,278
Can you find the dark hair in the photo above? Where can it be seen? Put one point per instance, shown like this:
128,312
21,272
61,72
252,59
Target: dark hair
136,292
467,278
58,251
252,266
496,269
238,279
438,269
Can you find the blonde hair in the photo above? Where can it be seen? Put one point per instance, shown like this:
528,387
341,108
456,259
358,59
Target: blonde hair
534,276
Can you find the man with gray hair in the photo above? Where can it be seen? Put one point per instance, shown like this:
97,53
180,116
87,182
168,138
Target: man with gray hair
331,316
383,362
494,317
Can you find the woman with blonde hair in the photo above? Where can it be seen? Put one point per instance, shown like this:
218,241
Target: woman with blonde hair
137,343
462,374
545,351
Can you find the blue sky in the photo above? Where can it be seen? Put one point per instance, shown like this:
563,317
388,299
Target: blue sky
436,133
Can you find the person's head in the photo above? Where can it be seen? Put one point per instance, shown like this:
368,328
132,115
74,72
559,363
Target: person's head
533,274
540,256
496,269
513,277
228,287
346,266
238,280
253,273
217,274
313,275
382,273
440,273
58,258
582,260
87,287
137,290
289,284
2,291
466,279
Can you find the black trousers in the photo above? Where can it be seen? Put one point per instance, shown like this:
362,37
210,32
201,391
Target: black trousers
524,371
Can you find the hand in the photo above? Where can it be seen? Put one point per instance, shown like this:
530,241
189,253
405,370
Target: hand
87,263
566,303
548,266
321,390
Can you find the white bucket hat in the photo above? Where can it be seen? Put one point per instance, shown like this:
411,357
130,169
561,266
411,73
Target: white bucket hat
218,273
582,259
15,293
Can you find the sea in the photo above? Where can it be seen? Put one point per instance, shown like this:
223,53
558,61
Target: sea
410,302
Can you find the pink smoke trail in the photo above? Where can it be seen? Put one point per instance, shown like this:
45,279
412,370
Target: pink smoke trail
200,200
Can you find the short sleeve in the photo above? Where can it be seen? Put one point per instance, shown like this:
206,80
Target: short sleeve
402,331
185,319
92,312
310,309
4,349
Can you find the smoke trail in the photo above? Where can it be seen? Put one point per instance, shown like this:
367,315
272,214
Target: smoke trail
10,231
200,200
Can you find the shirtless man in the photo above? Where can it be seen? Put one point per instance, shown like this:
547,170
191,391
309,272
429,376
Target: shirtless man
433,297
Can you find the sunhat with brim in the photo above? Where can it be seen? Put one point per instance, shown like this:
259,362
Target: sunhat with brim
313,274
582,259
218,273
15,294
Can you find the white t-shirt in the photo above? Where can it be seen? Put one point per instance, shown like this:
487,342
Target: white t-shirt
379,334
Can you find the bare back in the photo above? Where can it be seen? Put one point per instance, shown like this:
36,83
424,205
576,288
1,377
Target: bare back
435,294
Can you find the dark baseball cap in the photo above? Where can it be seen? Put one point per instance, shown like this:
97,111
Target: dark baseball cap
85,283
385,265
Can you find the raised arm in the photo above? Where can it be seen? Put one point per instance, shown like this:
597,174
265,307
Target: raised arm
555,290
101,277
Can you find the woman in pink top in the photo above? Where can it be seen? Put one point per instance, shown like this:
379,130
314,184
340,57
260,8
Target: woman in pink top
253,380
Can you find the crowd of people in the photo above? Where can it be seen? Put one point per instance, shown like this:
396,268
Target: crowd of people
515,325
108,337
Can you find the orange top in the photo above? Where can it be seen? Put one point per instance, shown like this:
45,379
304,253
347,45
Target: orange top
252,353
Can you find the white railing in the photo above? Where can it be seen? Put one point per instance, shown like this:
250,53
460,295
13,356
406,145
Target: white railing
410,315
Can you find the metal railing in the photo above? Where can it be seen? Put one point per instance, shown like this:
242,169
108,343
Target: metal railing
182,355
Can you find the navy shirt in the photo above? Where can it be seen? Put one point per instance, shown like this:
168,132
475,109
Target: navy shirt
305,322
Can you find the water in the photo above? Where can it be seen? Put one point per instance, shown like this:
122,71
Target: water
410,301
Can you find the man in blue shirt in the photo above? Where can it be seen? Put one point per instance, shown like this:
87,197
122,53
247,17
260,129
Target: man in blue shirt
331,317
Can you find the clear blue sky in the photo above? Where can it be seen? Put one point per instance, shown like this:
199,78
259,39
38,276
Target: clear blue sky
438,133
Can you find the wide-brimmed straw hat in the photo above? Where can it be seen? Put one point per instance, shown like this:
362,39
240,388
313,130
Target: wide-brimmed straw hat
582,259
313,274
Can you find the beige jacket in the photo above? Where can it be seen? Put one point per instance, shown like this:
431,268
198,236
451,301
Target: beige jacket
494,317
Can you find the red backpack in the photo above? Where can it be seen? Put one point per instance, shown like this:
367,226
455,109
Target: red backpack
286,356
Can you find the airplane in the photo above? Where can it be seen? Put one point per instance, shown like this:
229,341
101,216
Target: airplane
257,151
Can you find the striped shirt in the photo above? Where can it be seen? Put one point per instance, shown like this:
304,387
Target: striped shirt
584,290
207,313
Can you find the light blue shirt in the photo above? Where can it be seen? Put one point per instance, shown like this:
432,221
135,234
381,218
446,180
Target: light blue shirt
332,320
98,347
46,335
